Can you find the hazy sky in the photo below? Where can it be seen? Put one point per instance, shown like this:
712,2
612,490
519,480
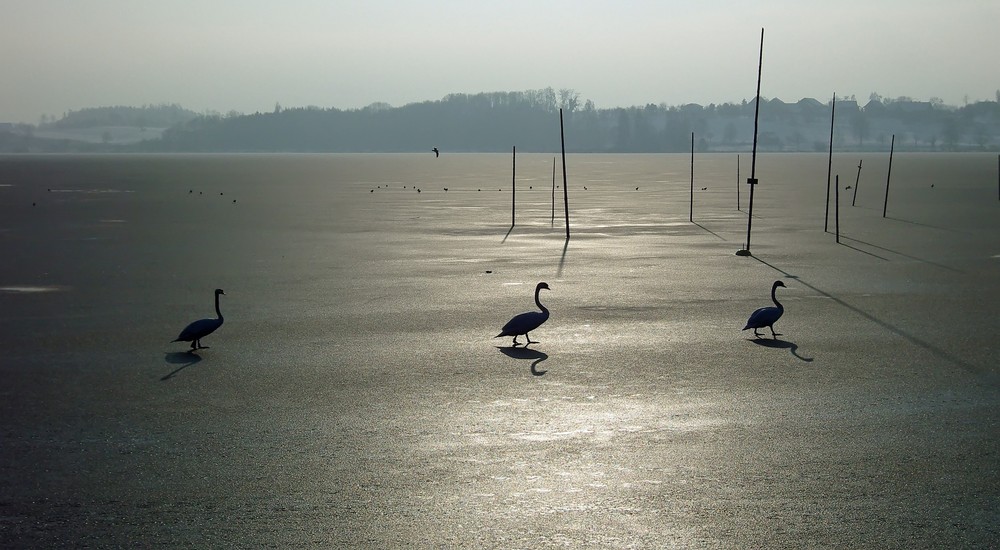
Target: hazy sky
246,55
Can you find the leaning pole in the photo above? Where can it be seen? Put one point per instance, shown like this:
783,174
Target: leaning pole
892,147
752,180
562,140
829,165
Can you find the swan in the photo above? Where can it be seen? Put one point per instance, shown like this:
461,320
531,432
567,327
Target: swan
767,316
199,329
524,323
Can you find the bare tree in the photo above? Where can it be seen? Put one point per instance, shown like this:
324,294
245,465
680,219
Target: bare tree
568,100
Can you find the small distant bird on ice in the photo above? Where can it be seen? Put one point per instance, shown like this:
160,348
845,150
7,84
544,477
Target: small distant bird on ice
436,152
199,329
767,316
524,323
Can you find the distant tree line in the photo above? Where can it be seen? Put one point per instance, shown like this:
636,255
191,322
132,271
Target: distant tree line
495,121
147,116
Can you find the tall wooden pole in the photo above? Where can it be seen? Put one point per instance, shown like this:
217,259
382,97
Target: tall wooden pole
691,207
829,165
513,184
562,140
892,147
753,158
856,182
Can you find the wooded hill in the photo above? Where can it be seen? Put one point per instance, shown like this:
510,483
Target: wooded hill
495,121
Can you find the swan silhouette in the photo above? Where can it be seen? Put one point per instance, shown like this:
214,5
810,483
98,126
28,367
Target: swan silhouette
201,328
767,316
523,323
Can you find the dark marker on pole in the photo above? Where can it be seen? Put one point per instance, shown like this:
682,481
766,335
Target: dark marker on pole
856,181
752,180
691,207
892,147
836,209
513,184
562,140
829,166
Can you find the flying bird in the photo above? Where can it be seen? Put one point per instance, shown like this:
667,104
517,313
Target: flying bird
199,329
524,323
436,152
767,316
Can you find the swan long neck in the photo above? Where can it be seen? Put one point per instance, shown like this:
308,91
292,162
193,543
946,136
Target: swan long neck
774,298
217,310
538,290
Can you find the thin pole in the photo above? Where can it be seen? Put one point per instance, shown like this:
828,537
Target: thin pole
753,159
829,165
998,177
553,191
691,208
562,140
856,182
836,209
513,184
892,147
737,181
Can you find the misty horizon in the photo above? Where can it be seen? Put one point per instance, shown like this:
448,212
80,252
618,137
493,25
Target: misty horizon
580,100
491,122
246,57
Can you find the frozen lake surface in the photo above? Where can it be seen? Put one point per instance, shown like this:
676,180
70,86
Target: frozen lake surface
355,395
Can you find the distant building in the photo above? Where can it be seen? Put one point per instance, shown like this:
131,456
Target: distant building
847,106
874,107
912,106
